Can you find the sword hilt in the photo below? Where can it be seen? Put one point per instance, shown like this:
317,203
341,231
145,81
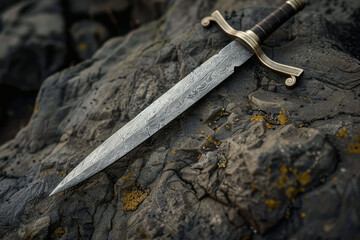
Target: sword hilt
277,18
253,37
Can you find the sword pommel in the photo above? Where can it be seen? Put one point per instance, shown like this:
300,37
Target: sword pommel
253,37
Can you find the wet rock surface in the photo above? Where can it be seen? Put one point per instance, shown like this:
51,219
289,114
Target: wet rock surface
252,159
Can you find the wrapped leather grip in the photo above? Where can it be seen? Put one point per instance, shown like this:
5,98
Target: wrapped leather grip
268,25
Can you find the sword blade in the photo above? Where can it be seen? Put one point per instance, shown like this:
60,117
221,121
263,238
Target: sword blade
166,108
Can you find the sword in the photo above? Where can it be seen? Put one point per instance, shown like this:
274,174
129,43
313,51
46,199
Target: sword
189,90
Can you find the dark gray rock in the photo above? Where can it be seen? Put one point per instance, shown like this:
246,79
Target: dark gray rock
274,172
4,4
252,159
16,199
95,7
87,37
30,48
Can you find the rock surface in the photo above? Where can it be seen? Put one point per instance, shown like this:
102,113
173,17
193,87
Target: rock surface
39,38
31,49
252,159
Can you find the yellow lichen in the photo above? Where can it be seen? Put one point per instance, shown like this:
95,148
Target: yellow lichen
209,139
292,187
143,234
292,192
257,118
202,132
354,147
263,194
36,108
263,118
127,178
220,114
81,46
283,169
58,232
253,187
306,98
222,163
29,235
173,152
342,133
247,237
283,119
272,204
133,197
304,178
283,181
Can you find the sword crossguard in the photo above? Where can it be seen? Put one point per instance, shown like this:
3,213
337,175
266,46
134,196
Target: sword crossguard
253,37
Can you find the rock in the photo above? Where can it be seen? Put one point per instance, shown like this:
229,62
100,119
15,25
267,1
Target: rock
273,173
38,228
152,168
94,7
31,49
15,200
118,16
7,3
252,159
145,11
87,37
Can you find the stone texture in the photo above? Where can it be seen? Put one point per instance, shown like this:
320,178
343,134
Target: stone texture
87,36
252,159
30,48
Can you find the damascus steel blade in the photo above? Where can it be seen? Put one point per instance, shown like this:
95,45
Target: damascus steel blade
166,108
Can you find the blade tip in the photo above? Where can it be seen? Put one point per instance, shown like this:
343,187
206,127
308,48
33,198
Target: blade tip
56,190
52,193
